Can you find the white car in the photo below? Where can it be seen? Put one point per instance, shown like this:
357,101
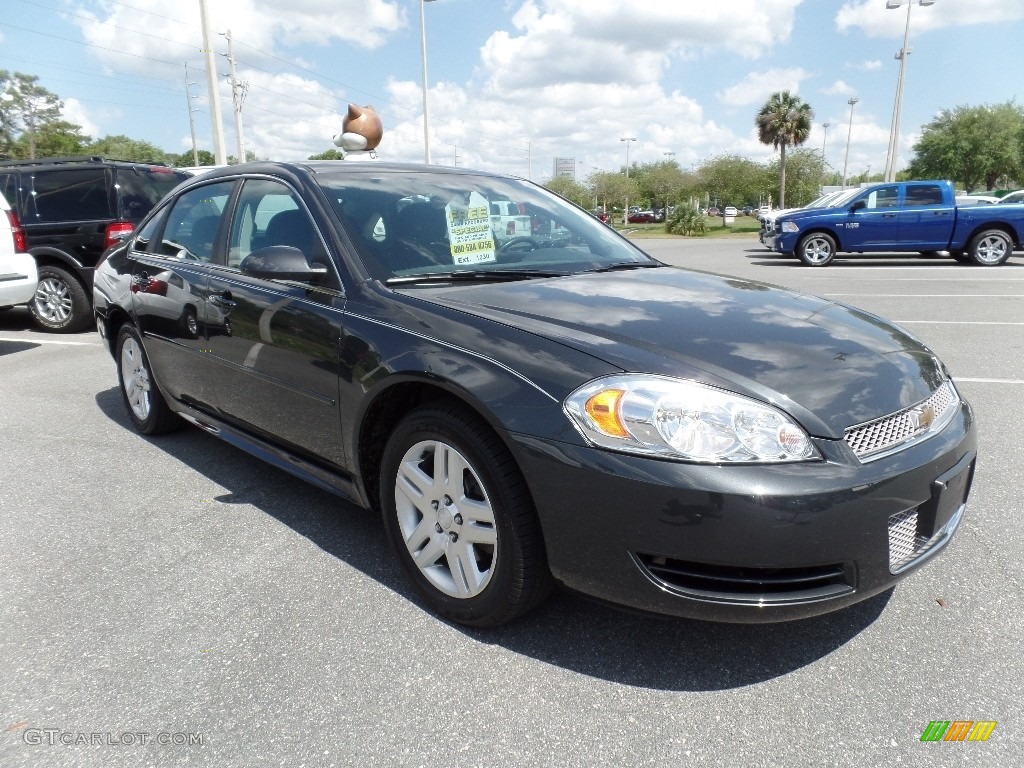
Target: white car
1012,197
730,210
18,274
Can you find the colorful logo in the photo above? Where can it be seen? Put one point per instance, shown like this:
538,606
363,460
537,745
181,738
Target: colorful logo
958,730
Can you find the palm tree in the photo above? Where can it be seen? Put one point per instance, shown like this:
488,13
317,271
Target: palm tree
784,120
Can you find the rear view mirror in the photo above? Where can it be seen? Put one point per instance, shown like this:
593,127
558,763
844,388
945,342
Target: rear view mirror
858,206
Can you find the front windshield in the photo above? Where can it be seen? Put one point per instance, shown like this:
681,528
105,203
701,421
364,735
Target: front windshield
409,223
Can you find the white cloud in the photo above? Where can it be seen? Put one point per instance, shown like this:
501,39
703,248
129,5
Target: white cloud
867,66
756,87
262,24
875,20
838,88
75,112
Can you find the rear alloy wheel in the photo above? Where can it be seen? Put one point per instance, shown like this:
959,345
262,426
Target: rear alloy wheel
60,303
460,519
146,406
817,249
990,248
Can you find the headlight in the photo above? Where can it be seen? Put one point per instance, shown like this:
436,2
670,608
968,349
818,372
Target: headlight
661,416
790,226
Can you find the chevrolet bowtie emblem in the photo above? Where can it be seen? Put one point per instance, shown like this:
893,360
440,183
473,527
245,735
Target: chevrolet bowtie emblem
922,418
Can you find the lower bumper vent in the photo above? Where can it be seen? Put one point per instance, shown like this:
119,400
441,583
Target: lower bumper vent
907,546
749,586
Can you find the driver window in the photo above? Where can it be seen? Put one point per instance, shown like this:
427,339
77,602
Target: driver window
269,213
884,197
193,222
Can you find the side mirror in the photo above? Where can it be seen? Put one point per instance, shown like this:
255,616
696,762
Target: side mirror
858,206
281,262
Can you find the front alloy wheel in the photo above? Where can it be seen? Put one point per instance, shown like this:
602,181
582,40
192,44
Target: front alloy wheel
460,519
817,249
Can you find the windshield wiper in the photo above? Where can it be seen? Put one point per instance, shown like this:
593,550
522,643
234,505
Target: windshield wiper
626,265
473,275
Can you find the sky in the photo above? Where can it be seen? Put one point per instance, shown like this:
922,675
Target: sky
514,84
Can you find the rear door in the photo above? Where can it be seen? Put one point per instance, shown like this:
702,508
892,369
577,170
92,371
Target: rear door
926,222
68,209
170,272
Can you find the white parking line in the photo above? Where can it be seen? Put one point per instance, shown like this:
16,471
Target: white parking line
33,340
960,380
933,295
954,322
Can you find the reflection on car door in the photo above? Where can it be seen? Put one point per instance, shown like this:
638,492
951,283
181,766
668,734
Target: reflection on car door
276,343
170,268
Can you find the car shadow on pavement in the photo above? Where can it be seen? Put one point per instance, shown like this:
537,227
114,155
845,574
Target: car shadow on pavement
10,347
570,632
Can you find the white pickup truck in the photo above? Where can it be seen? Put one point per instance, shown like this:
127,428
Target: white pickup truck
509,220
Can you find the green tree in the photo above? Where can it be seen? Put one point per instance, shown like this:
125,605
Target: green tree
330,154
733,180
186,160
27,108
974,146
124,148
804,172
54,139
784,121
660,183
611,189
570,189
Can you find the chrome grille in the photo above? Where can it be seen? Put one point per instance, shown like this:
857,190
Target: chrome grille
905,543
890,432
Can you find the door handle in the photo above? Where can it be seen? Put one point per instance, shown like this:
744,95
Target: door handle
888,215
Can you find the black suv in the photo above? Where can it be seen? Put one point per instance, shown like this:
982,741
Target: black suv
72,209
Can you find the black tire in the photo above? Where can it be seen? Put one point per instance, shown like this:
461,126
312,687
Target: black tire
816,249
139,391
499,571
990,248
61,304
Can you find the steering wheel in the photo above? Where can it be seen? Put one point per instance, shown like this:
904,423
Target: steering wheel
516,248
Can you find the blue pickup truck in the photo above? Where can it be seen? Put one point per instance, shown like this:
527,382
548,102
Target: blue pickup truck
916,216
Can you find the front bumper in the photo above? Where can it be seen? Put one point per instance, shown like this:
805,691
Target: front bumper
747,543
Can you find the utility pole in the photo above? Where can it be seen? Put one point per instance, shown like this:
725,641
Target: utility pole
191,121
846,162
211,81
238,90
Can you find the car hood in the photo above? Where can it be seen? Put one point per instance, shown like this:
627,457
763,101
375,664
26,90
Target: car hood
828,365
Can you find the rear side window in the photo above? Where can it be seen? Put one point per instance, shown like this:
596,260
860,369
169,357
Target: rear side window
924,194
67,195
141,188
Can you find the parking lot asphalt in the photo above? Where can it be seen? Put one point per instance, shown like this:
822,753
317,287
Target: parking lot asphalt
175,602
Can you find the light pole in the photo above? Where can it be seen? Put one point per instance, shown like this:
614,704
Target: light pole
423,54
846,161
824,138
625,211
897,107
191,120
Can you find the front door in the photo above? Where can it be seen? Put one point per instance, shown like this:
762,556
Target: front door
876,224
276,343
